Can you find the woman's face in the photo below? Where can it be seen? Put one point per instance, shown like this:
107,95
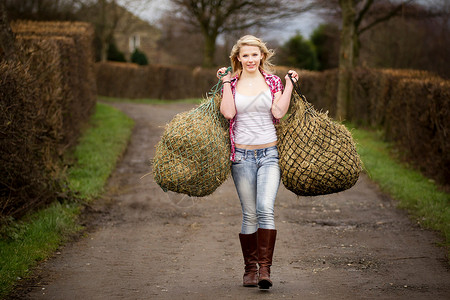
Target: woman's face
250,58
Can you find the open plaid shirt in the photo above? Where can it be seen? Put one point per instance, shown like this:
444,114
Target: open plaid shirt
275,85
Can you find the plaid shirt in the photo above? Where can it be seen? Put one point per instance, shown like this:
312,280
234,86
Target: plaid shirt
275,85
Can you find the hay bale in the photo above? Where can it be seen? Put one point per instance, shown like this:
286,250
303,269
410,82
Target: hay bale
317,155
193,156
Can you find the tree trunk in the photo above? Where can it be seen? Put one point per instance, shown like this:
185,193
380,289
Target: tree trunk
102,32
346,58
7,38
103,49
210,50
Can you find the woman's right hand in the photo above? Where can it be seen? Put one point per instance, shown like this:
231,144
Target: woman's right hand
221,72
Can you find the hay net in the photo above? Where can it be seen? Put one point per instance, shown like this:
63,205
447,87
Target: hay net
193,155
317,155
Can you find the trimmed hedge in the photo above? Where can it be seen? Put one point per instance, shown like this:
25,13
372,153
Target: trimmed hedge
419,122
320,88
28,130
373,93
128,80
412,108
75,46
46,97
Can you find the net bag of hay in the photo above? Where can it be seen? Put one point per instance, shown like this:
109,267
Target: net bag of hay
193,156
317,155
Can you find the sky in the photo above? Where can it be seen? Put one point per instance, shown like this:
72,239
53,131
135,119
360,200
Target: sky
305,24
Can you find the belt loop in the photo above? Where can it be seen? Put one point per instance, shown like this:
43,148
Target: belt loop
265,150
245,153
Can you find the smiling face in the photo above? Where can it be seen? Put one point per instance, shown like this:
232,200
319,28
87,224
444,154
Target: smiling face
250,58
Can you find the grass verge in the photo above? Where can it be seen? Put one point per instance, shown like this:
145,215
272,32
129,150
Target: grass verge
33,239
36,236
97,153
416,193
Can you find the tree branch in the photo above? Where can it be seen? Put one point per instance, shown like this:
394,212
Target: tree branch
386,17
363,12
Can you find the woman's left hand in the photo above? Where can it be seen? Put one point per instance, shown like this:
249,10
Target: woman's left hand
294,76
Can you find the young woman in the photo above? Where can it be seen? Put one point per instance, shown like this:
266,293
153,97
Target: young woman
253,100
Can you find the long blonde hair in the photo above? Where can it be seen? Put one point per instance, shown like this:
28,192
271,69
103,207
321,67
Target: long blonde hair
250,40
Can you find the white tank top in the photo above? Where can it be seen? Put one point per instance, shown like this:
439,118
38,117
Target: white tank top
254,121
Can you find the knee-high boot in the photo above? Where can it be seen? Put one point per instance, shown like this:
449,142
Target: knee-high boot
250,253
266,245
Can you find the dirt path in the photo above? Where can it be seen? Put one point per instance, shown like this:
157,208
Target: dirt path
147,244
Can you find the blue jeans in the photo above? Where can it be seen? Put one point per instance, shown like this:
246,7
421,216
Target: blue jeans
256,175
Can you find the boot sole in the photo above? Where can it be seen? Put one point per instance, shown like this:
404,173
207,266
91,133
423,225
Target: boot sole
264,284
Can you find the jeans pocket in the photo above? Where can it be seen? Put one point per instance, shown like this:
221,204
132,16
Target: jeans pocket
272,153
238,158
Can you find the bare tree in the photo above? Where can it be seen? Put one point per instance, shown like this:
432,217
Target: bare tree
354,13
176,35
215,17
358,17
418,40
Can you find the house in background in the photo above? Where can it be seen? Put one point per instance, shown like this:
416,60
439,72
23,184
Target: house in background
134,33
115,24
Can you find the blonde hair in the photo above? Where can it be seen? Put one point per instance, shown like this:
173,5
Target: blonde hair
250,40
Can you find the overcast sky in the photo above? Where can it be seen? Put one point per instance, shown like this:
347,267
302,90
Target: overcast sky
305,24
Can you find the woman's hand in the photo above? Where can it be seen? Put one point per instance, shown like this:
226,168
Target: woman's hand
221,72
281,102
227,107
294,76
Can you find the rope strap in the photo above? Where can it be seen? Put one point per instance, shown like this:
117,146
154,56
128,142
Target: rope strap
309,108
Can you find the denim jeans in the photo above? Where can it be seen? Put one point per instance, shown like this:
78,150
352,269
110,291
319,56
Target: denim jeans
256,175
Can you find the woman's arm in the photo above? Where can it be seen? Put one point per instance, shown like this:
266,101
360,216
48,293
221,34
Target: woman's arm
282,100
227,107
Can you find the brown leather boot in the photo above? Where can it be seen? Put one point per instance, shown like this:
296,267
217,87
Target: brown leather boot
249,250
266,245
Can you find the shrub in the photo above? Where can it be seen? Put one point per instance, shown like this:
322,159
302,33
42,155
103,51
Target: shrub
299,53
114,54
139,58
